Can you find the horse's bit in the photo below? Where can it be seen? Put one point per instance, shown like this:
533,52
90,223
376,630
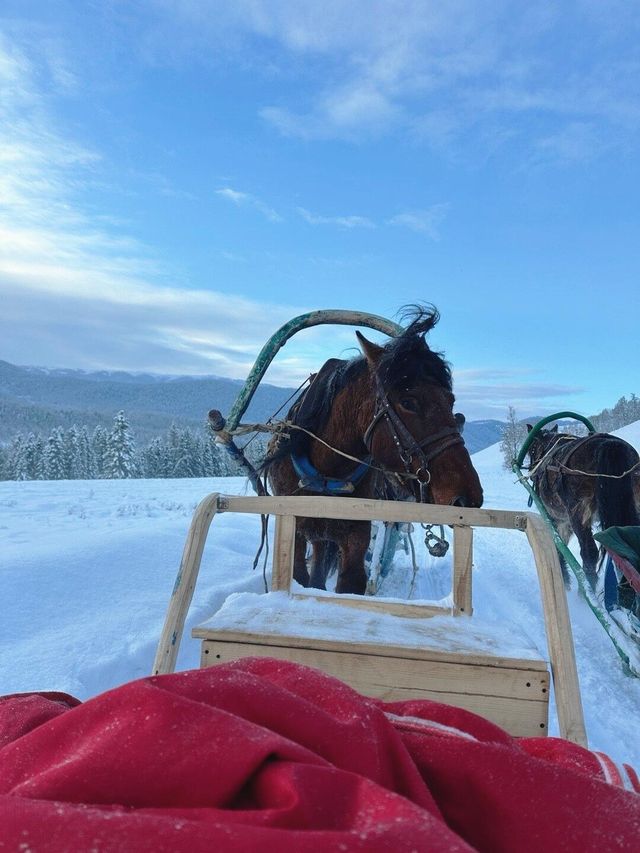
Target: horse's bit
408,447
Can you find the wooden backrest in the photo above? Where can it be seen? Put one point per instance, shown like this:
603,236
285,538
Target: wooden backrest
462,520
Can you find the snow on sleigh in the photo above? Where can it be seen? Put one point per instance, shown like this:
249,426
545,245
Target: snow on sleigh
369,429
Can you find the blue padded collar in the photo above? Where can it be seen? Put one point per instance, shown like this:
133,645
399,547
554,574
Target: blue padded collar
312,480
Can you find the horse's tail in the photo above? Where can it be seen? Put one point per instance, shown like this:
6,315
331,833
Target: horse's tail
614,493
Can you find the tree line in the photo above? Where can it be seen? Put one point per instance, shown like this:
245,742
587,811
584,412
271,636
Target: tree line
80,454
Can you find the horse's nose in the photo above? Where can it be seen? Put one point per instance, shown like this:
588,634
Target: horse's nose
459,501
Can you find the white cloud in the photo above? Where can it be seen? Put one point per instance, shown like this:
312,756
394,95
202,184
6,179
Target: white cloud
241,199
435,70
423,221
341,221
488,393
77,290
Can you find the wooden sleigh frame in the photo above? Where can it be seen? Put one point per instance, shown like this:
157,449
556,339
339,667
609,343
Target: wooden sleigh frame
512,692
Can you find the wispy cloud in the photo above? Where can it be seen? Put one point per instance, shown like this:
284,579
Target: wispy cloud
89,294
448,73
340,221
242,199
423,221
488,392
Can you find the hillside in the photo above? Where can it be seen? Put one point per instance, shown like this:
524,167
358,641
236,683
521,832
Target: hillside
38,400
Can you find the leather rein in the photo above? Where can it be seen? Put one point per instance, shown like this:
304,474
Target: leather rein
407,446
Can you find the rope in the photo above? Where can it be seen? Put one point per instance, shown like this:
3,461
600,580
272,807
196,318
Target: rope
607,476
562,438
533,471
282,426
270,418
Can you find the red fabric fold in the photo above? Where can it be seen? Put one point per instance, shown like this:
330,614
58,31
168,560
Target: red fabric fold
266,755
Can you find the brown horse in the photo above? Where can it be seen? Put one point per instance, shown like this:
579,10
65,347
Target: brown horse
375,426
584,481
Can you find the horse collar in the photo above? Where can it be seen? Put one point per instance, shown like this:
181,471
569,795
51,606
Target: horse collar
312,480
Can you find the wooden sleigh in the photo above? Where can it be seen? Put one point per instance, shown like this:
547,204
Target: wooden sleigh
439,656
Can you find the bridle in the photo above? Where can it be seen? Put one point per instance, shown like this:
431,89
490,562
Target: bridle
407,446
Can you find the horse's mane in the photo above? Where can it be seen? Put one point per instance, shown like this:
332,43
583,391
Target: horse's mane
406,360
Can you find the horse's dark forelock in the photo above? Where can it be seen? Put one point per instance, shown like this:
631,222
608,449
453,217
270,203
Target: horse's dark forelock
407,360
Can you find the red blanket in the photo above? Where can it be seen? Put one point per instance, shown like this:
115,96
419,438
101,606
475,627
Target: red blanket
262,755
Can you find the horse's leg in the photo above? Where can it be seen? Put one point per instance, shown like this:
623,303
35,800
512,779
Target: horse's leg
565,532
300,573
352,577
317,578
588,547
324,560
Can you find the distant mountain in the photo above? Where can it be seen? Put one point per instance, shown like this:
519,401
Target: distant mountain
36,399
481,434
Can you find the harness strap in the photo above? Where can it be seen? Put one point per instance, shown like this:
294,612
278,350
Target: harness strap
408,447
314,481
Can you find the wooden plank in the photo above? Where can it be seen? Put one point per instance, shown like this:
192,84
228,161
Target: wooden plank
462,565
501,696
366,602
419,653
171,635
558,629
283,553
405,673
362,509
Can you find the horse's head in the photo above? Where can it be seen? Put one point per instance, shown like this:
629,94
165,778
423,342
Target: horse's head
542,443
414,431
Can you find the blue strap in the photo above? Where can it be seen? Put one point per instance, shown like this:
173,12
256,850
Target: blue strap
610,585
312,480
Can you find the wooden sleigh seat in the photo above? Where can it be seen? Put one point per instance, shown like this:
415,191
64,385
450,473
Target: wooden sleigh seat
387,656
388,649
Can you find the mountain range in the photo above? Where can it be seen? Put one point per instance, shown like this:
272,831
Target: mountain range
36,399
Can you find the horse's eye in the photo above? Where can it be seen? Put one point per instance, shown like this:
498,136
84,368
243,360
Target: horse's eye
410,404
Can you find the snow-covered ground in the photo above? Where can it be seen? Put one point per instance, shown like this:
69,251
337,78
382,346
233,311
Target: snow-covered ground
87,569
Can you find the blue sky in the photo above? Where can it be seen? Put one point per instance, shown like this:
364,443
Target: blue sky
180,177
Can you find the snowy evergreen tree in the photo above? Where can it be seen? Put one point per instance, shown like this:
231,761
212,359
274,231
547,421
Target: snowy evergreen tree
120,457
33,453
55,462
72,454
214,465
153,459
4,463
99,449
18,458
185,457
86,460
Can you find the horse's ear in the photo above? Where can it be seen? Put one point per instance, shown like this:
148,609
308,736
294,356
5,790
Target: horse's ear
529,427
372,352
554,428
